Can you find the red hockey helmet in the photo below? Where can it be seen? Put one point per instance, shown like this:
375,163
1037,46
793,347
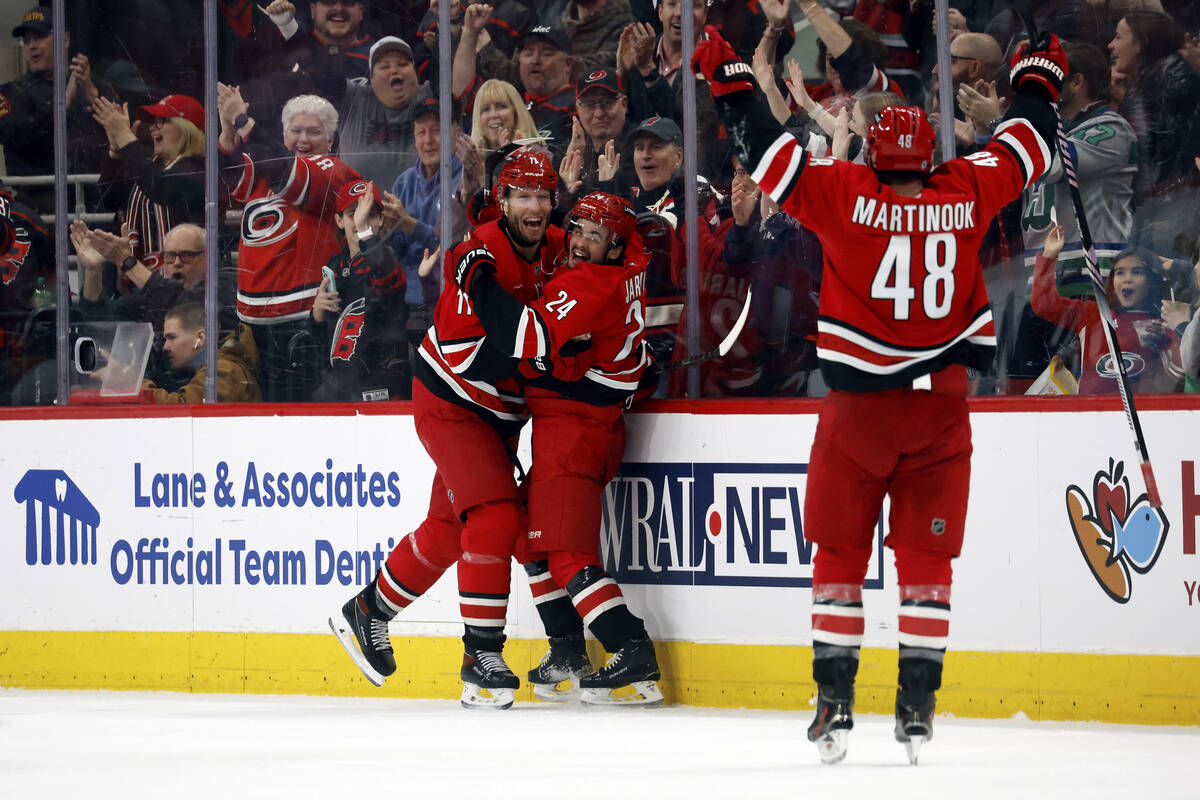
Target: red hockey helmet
612,212
900,139
526,169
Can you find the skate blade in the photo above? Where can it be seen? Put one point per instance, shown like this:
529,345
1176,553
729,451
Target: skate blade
344,635
644,694
913,748
565,691
477,697
832,746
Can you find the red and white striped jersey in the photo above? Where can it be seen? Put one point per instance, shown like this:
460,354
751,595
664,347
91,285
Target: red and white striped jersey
604,302
458,362
902,292
286,237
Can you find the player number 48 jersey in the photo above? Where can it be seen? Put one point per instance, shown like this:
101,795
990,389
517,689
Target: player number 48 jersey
902,292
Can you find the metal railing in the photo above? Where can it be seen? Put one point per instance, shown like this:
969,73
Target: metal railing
78,182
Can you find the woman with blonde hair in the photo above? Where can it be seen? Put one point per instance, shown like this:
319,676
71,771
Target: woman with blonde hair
167,178
500,116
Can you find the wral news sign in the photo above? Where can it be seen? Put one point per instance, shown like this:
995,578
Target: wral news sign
701,524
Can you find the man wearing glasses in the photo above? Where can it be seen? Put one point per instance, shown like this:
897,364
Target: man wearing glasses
181,278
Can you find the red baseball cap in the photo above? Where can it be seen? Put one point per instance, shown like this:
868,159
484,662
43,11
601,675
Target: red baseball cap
350,192
178,105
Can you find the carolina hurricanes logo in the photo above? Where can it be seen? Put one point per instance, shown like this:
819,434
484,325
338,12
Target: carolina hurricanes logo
1134,364
10,262
597,75
349,328
263,222
358,189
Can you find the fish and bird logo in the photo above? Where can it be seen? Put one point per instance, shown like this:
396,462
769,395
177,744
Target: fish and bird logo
1114,534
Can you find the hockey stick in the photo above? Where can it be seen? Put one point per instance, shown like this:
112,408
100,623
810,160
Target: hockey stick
1024,10
720,350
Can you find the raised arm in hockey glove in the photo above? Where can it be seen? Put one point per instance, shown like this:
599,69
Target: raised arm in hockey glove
471,265
1043,64
715,60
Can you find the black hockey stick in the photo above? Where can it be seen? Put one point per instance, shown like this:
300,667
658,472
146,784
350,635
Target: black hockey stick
1024,9
717,352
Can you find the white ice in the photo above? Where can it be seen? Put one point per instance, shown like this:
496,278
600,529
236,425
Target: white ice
58,744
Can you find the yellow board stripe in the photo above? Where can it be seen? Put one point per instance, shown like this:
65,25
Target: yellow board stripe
1137,689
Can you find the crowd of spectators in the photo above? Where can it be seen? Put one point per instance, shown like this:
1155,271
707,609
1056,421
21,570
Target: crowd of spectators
331,148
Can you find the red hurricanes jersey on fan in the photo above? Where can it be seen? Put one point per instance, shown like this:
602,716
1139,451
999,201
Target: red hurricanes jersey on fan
902,292
287,236
457,362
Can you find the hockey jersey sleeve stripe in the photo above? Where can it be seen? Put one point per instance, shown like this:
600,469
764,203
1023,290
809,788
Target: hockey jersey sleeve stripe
241,192
1025,143
533,337
779,166
295,189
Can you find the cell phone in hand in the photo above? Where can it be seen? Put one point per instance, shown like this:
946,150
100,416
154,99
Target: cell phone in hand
328,275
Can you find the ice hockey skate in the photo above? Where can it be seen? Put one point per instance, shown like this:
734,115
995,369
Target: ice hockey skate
364,635
831,727
630,678
914,722
487,680
556,678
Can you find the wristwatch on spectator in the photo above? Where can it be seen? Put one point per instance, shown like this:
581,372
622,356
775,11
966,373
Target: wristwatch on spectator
128,264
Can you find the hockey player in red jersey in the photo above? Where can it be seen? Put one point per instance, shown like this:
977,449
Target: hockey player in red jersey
578,440
903,312
468,409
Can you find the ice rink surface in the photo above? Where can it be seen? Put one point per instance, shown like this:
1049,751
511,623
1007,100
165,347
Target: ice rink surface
59,744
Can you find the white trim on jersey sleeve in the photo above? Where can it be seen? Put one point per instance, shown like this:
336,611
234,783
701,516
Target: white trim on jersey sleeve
784,154
1012,133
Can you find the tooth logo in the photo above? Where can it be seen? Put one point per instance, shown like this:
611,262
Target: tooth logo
60,522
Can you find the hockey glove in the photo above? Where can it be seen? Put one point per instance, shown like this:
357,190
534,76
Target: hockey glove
715,60
1042,64
472,264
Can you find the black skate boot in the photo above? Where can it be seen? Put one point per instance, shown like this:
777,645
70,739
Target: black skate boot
363,632
635,666
834,720
487,680
914,721
564,663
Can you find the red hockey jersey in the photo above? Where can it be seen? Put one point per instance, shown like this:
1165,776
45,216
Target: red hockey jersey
286,237
458,362
603,302
902,292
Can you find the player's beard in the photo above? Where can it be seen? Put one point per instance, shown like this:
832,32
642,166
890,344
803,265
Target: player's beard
515,230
